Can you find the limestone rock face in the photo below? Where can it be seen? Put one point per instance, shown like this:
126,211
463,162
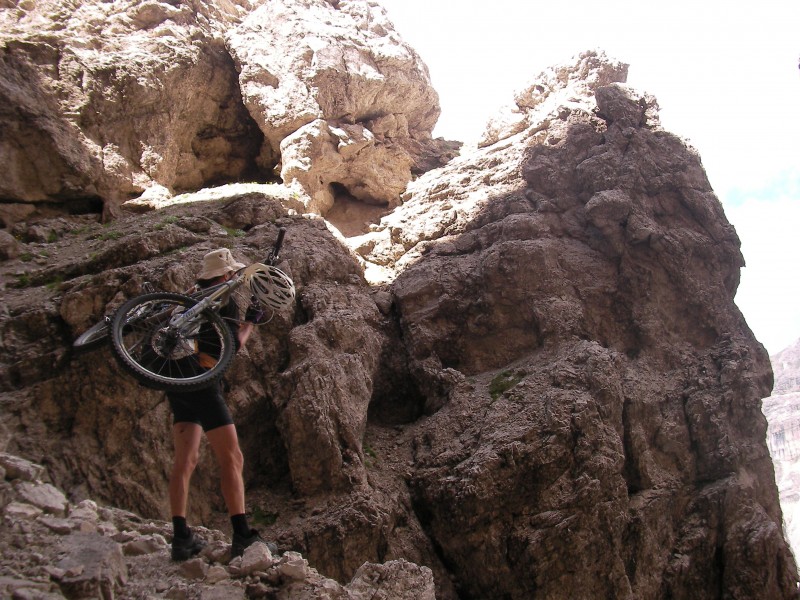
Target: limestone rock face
566,299
100,101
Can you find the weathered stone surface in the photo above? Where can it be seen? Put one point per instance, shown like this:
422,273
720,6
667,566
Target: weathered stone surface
93,566
70,75
9,248
574,333
338,95
330,386
782,410
394,580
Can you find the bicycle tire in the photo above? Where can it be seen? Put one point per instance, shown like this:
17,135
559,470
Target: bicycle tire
159,356
92,338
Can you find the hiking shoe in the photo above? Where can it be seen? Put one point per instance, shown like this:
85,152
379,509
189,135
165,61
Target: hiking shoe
184,548
241,542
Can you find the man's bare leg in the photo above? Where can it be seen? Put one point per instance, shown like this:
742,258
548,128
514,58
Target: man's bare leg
186,439
225,444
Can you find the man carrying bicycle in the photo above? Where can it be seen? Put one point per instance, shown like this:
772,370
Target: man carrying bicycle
205,411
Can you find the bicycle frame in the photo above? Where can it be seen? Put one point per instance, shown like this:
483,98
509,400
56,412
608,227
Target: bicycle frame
215,296
173,319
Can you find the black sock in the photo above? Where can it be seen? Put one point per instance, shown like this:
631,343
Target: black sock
240,526
179,527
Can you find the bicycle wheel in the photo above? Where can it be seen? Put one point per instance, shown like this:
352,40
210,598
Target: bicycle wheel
92,338
166,355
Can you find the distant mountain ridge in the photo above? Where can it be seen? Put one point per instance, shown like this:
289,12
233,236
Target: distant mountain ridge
782,410
786,366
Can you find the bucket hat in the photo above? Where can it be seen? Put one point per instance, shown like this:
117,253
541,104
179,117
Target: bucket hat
218,262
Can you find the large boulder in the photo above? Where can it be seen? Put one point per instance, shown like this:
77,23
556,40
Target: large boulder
339,96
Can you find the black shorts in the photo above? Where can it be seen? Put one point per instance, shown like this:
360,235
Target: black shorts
205,406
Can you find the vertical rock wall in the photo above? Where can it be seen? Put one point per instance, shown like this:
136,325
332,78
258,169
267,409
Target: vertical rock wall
566,299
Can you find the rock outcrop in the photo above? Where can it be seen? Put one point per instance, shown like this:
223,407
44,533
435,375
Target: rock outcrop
101,102
565,297
530,377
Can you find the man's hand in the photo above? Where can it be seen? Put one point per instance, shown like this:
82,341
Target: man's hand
255,314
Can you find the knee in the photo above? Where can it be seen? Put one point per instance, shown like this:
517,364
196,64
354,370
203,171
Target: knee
186,464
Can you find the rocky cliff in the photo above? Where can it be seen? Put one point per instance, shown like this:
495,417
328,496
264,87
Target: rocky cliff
525,372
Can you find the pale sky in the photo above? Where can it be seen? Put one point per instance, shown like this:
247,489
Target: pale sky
726,78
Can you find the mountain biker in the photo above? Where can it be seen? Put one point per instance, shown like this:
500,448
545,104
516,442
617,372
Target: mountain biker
205,410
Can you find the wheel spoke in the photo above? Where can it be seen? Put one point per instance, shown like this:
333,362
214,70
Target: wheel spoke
163,355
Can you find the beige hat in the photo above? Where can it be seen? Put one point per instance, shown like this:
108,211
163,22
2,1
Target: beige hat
218,262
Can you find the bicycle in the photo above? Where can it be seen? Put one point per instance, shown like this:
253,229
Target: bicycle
179,342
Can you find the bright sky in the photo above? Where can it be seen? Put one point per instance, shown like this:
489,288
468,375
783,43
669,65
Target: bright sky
725,75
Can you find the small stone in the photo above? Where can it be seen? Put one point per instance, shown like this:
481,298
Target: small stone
256,558
55,572
43,495
293,566
195,568
9,247
74,571
178,592
258,590
124,536
56,524
147,544
19,468
217,551
383,300
83,526
22,510
106,529
216,573
85,510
